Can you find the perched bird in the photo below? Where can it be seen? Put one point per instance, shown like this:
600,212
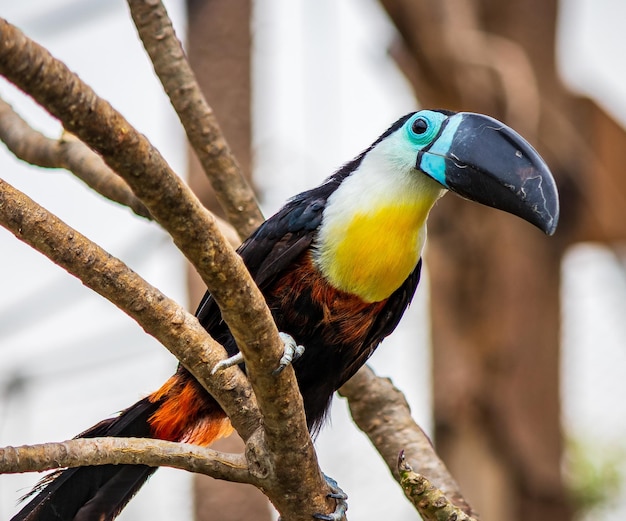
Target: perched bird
338,265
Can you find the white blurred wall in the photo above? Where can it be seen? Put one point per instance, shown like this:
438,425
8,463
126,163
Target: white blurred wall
592,46
69,357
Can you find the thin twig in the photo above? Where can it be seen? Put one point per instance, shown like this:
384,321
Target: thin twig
67,152
70,153
124,451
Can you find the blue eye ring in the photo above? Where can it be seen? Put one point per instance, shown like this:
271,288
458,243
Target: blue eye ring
423,126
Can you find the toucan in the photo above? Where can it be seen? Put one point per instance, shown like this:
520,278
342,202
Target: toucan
338,265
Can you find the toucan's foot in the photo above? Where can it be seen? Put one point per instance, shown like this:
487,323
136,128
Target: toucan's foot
291,353
228,362
342,502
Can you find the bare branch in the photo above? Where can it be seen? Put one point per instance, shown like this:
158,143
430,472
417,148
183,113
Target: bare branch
282,411
297,487
171,66
124,451
159,316
381,411
169,200
68,152
130,155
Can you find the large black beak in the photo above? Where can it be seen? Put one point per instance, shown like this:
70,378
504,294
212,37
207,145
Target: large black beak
482,159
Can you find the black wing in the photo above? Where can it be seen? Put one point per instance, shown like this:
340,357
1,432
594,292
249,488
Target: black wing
277,243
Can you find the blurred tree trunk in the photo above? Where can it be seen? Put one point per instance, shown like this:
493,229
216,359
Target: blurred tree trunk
495,281
219,48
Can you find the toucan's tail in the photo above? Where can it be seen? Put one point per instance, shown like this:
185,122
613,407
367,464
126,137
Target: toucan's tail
180,411
90,493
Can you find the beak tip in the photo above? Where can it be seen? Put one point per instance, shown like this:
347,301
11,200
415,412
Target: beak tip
544,215
549,208
551,228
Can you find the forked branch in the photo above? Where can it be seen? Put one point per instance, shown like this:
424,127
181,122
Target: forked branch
284,449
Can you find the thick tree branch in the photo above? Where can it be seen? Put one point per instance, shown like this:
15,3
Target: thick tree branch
381,411
235,196
131,156
171,66
293,480
159,316
169,200
124,451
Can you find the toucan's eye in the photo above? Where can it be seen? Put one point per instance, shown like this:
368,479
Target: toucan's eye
420,125
423,126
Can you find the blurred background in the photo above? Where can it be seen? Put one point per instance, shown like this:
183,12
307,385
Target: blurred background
512,355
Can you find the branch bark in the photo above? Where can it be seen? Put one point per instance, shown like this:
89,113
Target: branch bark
67,152
161,317
124,451
130,155
275,460
381,411
430,502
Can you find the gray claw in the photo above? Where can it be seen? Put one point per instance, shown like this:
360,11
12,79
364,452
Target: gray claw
228,362
342,504
292,352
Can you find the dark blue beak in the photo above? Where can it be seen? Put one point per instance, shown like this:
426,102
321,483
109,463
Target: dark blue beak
483,160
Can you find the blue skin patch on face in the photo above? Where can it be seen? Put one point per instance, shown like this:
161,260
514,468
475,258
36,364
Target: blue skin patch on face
433,161
423,127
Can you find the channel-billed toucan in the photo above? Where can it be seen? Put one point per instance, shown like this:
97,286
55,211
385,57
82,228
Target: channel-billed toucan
338,265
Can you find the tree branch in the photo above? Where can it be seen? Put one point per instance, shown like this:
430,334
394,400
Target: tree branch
381,411
280,475
171,66
292,477
179,331
169,200
67,152
130,155
124,451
